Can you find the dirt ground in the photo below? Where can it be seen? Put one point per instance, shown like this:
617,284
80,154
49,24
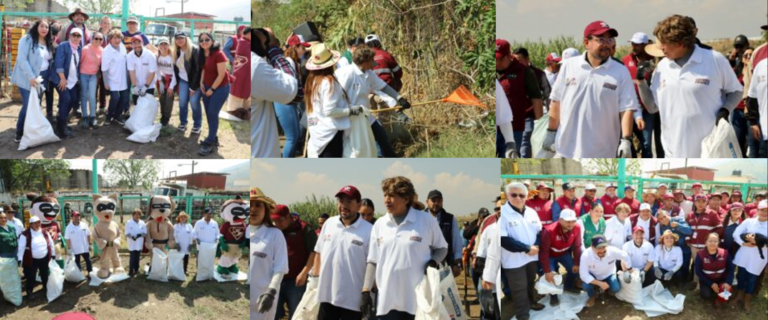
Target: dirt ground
109,141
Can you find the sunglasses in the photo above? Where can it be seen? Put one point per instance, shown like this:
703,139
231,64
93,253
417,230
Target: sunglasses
516,195
205,40
100,39
75,35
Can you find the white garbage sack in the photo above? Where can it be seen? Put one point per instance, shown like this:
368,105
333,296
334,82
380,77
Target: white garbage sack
537,137
71,272
223,114
159,270
37,129
451,296
358,140
10,281
658,301
55,281
721,143
206,261
309,307
545,287
141,123
568,309
429,298
176,266
631,292
96,281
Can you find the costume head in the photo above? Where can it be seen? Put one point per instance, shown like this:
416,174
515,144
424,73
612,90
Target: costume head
235,211
46,208
160,207
105,206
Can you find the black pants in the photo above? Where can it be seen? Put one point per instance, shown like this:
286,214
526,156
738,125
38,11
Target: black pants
335,148
87,257
134,263
30,273
150,92
331,312
521,281
397,315
380,135
186,262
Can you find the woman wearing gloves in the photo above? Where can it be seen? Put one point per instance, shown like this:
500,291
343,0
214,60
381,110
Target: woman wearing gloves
669,257
135,231
34,59
113,71
269,255
182,232
715,270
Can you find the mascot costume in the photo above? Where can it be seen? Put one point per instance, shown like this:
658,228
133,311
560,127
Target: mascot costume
159,228
233,238
106,234
47,209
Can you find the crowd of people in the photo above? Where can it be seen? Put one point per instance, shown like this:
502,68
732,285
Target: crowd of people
88,67
362,267
334,92
669,95
710,243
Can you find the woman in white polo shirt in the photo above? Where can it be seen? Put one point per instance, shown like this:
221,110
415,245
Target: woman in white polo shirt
404,243
669,257
268,256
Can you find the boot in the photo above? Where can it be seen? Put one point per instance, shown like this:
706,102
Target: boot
747,302
591,301
554,300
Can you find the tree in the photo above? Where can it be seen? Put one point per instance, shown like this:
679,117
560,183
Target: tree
132,173
610,167
31,175
95,6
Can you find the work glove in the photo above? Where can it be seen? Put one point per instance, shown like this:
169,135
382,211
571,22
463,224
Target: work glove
668,276
658,273
355,110
721,114
404,103
644,71
366,306
625,148
265,301
143,91
511,151
135,91
177,247
487,301
431,264
627,277
642,276
162,87
549,140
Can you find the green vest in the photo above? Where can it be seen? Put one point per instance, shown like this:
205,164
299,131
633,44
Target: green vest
590,230
347,55
8,241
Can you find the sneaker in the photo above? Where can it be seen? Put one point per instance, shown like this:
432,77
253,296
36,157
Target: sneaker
537,306
120,121
206,149
400,116
554,300
182,127
17,139
197,130
107,121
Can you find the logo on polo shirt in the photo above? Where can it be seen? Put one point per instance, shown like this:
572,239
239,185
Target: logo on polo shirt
761,78
416,238
570,81
261,255
703,81
357,242
610,86
706,260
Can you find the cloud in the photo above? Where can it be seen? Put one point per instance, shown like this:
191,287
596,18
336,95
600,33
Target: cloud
462,186
398,168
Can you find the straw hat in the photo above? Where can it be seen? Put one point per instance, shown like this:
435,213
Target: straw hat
258,195
669,233
322,57
654,49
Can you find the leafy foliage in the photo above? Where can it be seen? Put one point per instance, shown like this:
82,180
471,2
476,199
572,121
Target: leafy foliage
132,173
31,175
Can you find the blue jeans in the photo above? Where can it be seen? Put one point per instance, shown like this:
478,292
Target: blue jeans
88,94
288,116
740,127
23,113
522,141
612,281
213,105
118,101
194,101
650,124
763,149
747,281
291,295
67,102
682,274
566,261
382,140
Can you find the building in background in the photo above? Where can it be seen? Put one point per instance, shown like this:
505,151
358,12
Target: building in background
690,173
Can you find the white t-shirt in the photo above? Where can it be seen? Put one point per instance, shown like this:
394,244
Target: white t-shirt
73,75
268,85
593,267
491,272
46,55
503,109
646,225
343,254
758,89
521,227
689,98
638,257
143,66
746,257
591,100
617,232
268,256
78,237
206,232
38,245
551,76
182,69
671,260
133,228
322,127
401,253
164,68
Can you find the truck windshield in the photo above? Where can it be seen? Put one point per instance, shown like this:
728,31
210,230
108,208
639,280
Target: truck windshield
155,29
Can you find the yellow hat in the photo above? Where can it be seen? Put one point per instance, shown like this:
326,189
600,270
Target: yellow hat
322,57
258,195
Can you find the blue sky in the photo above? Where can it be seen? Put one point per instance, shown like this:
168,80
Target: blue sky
466,184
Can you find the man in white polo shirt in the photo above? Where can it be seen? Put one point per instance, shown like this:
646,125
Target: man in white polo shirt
757,117
78,238
342,249
404,243
592,103
142,69
598,268
519,228
641,255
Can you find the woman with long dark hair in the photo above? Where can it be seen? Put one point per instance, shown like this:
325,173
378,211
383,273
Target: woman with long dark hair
34,59
269,256
214,84
289,115
186,68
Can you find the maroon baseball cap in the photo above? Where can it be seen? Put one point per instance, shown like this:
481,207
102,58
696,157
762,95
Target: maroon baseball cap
696,185
599,27
137,38
719,196
349,191
502,48
668,196
638,228
700,197
736,205
281,210
298,40
736,193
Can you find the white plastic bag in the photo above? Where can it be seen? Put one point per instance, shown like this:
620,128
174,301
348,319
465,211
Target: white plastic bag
309,307
358,140
428,298
10,281
159,270
545,287
37,129
176,266
632,292
71,272
206,256
113,277
721,143
537,138
142,119
451,295
55,281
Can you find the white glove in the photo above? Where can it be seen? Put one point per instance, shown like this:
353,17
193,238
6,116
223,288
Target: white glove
549,140
511,150
162,87
143,91
355,110
658,274
135,91
642,275
668,276
625,149
627,277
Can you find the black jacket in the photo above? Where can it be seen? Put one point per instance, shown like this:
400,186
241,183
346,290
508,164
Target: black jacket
193,67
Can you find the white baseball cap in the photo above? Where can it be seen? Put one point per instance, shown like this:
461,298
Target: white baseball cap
371,37
763,204
568,215
590,187
639,38
569,53
76,30
645,206
34,219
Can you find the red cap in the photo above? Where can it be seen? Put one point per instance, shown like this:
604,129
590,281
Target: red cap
725,193
137,38
678,191
668,196
716,195
638,228
297,40
553,57
281,210
700,197
599,27
736,193
737,205
502,48
75,214
543,185
696,185
349,191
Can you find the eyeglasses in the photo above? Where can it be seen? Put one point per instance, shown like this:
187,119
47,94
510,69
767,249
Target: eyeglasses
76,35
516,195
497,209
205,40
604,40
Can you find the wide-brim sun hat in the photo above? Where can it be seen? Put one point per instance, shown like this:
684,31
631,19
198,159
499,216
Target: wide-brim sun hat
654,49
322,57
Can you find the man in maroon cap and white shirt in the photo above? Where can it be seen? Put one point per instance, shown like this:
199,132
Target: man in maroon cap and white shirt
553,67
592,102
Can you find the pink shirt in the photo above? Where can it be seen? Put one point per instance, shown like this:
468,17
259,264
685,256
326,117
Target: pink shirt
91,59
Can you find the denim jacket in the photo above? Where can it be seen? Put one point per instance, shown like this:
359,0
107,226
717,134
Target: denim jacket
62,60
28,63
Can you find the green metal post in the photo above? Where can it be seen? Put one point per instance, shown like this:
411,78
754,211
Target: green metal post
622,177
126,11
95,187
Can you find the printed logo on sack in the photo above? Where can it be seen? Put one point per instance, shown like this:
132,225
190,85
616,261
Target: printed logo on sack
456,304
258,254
